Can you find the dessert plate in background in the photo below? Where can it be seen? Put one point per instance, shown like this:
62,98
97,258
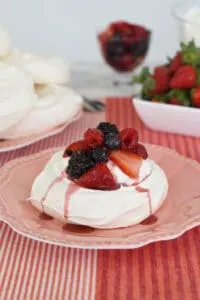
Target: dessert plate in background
14,144
179,213
56,105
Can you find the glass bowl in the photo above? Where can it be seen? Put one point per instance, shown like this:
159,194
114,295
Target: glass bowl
123,45
187,14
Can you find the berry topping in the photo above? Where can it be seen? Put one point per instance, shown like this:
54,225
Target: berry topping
93,137
128,162
99,177
129,138
112,141
99,155
140,150
87,162
76,146
124,45
78,164
106,127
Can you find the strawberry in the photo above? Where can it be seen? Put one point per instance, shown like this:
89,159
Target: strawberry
93,137
76,146
98,178
176,62
129,138
184,78
161,70
155,100
134,31
161,77
126,62
128,162
196,96
175,101
178,97
162,98
155,84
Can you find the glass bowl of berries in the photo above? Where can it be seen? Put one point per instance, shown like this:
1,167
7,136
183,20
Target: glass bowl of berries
123,45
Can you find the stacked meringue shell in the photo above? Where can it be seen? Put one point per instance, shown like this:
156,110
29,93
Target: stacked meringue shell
33,93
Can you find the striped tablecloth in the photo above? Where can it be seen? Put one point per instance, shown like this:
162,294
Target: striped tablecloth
162,270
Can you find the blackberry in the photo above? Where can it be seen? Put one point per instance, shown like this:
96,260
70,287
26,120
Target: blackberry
99,155
112,141
79,164
106,127
115,50
140,48
116,37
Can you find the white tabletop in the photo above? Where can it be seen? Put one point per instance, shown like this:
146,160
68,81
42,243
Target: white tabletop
96,81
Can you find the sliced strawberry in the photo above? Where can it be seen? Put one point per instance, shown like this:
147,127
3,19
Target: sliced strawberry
98,178
76,146
93,137
128,162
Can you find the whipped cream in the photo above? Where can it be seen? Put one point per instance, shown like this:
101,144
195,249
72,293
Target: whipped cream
17,95
53,193
42,69
55,105
5,44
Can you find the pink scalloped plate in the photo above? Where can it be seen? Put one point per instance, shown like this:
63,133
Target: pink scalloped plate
179,213
14,144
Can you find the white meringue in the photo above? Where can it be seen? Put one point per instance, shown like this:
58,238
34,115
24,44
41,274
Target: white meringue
42,69
55,105
17,95
100,209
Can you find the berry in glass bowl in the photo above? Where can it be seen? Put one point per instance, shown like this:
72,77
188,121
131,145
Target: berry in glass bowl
123,45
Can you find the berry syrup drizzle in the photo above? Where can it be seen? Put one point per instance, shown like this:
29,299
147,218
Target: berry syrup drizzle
71,189
45,217
140,189
152,219
54,182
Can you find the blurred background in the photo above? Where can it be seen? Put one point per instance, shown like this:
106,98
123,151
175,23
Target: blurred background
68,27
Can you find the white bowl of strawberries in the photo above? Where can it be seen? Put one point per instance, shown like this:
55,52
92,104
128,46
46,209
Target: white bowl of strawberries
170,95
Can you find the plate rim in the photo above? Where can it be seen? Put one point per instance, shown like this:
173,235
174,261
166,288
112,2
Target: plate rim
100,244
54,131
165,105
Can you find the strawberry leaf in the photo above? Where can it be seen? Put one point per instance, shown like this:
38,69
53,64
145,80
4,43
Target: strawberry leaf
149,85
181,95
142,76
190,53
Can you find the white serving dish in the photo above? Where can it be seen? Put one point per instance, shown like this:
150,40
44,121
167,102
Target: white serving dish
169,118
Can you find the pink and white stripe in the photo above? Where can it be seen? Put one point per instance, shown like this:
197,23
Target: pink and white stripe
159,271
34,270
